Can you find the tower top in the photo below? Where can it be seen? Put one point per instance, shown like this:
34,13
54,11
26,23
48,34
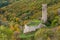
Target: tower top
44,5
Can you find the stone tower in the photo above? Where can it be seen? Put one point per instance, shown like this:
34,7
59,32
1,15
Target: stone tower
44,12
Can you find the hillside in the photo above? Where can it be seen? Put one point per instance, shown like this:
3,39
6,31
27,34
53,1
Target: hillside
14,16
23,11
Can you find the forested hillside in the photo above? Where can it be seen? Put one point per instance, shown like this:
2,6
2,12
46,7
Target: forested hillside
14,14
6,2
